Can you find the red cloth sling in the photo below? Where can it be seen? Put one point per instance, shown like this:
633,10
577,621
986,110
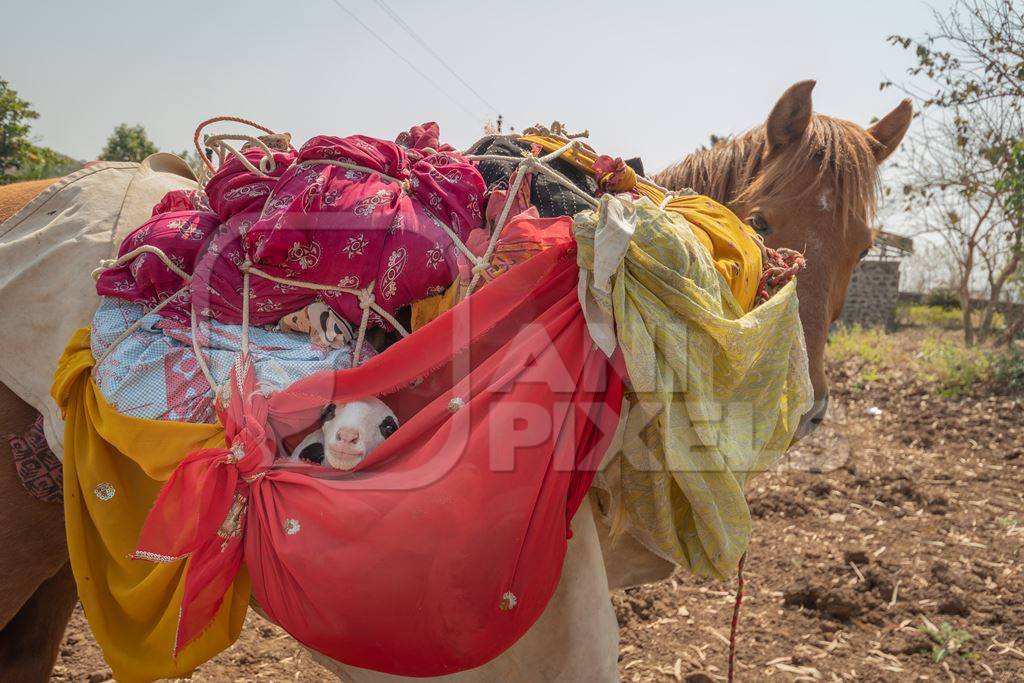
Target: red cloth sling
445,545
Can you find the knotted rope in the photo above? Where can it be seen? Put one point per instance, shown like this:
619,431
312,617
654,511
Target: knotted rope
779,266
218,144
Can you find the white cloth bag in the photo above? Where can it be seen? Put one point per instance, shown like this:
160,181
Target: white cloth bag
48,251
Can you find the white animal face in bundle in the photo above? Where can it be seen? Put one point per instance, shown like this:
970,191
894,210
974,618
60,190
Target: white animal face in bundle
349,432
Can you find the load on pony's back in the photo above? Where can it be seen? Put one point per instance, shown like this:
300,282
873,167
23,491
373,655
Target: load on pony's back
489,270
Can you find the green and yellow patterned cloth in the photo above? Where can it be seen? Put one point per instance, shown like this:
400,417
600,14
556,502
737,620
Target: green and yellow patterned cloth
717,393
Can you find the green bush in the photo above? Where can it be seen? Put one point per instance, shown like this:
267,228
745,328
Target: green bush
931,316
943,318
946,640
869,345
1008,373
998,321
955,368
938,358
43,162
943,298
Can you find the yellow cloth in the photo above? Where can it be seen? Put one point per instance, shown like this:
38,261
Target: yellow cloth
717,393
732,244
132,605
425,310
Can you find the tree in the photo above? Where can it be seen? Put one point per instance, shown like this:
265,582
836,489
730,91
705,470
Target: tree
128,143
43,162
975,55
969,82
1013,185
15,114
954,190
191,157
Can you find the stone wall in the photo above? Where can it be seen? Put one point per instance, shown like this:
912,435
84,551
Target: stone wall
873,293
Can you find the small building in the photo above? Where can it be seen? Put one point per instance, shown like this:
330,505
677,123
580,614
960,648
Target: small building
874,289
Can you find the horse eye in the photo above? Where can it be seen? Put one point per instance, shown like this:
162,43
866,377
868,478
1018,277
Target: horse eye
388,427
863,254
759,224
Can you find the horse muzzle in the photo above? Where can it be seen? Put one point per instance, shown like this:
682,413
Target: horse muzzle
812,419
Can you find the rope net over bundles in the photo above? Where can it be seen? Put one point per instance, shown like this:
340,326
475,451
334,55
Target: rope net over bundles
740,261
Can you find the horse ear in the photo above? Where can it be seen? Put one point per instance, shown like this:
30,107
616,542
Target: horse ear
890,129
790,116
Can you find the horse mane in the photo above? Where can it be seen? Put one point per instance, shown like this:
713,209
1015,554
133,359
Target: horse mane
735,169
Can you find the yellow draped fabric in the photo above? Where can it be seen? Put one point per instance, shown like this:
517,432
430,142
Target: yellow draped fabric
733,246
425,310
114,467
717,393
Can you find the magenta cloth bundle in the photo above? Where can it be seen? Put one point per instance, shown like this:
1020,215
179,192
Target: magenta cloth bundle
341,212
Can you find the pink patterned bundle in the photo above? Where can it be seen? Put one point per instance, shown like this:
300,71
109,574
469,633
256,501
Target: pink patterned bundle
342,212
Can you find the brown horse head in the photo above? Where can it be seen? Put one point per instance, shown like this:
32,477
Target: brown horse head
807,182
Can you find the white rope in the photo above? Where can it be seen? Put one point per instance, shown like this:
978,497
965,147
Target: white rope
200,359
452,234
560,178
218,143
107,264
679,193
568,184
332,288
404,184
492,157
203,176
220,119
367,302
135,325
390,318
513,190
245,308
551,156
525,165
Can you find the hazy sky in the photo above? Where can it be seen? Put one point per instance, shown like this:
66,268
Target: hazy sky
647,78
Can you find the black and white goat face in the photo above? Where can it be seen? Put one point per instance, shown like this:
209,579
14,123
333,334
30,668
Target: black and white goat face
349,432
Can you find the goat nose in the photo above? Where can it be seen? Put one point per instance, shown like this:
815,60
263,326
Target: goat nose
348,435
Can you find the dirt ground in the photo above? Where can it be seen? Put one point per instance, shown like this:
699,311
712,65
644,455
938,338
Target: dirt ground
905,512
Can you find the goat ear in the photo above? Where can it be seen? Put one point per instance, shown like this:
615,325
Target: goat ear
313,453
790,116
388,426
889,131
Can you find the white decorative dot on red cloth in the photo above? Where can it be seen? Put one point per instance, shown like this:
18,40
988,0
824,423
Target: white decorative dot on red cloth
508,601
455,404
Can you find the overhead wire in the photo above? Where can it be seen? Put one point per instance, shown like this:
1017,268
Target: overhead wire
408,63
433,53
